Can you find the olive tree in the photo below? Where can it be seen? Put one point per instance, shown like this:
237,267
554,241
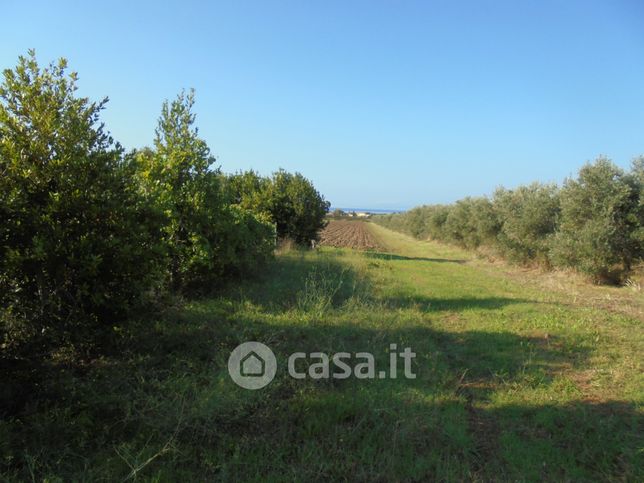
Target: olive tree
597,228
527,217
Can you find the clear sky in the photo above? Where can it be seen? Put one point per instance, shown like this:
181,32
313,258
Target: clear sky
383,104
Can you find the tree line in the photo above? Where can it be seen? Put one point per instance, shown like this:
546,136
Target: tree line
593,223
90,233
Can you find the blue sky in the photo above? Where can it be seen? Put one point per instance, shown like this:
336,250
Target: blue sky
382,104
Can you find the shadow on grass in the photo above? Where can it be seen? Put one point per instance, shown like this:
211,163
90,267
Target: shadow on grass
301,279
169,383
172,383
373,435
412,429
432,304
297,281
391,256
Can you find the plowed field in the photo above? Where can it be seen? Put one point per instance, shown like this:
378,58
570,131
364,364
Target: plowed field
351,234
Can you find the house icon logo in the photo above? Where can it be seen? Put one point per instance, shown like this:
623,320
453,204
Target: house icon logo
252,365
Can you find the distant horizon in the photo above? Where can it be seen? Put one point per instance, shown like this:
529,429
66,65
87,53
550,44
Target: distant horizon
368,210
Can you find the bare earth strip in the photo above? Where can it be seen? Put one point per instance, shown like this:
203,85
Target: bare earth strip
350,234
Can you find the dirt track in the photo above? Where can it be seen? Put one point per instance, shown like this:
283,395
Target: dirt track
349,234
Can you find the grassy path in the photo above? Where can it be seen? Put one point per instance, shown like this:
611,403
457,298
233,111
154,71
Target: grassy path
513,382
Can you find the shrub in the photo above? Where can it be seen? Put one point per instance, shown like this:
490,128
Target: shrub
394,221
436,218
527,219
415,223
207,239
247,240
470,222
289,200
249,190
88,233
594,224
296,207
485,222
599,221
459,227
78,243
636,179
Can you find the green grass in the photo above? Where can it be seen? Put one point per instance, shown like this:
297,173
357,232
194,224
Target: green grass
514,383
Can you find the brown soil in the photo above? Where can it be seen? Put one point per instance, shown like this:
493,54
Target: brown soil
349,234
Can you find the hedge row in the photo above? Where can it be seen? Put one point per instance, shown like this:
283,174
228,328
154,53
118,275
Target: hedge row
88,232
594,223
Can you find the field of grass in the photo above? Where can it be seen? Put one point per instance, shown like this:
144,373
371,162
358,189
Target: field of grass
514,382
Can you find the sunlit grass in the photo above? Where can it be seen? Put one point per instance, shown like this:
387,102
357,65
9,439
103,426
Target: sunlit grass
513,383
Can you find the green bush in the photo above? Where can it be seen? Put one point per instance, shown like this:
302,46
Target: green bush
458,227
600,221
420,222
416,223
436,219
594,224
88,233
485,221
288,200
207,239
247,240
527,219
396,222
636,179
78,241
470,223
249,190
